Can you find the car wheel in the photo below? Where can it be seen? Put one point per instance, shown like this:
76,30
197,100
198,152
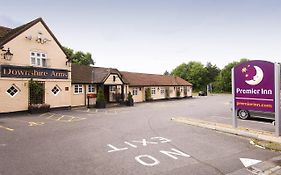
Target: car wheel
243,114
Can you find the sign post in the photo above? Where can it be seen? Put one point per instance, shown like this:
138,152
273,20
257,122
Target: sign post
256,87
234,117
277,100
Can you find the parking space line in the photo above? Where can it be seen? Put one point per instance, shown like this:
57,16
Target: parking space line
6,128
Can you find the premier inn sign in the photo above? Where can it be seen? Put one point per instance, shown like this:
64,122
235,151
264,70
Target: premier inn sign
32,72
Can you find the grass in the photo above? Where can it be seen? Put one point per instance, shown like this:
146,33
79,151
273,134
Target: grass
268,145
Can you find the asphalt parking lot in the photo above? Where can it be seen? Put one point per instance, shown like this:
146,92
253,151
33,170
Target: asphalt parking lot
127,140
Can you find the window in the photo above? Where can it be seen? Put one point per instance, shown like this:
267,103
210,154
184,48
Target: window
12,91
112,88
162,91
78,88
153,91
56,90
38,59
91,88
114,78
135,91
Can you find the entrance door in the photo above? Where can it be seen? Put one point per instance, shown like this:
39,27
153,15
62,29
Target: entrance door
36,92
106,93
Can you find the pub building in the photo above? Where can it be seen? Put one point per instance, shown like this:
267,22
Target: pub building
31,53
34,69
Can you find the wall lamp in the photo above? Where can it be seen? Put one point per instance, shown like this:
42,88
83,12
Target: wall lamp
7,55
68,62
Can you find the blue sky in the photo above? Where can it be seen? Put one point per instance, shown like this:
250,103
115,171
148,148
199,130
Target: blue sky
157,35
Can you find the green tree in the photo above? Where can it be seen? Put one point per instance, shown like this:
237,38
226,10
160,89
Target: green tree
212,72
223,81
79,57
194,72
166,73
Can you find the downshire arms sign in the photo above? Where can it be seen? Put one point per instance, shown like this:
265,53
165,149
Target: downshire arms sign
32,72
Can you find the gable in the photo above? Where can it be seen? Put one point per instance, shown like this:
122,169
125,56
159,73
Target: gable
35,38
113,81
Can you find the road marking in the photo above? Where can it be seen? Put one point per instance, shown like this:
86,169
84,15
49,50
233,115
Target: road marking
155,161
35,123
249,162
144,142
64,118
176,152
6,128
115,148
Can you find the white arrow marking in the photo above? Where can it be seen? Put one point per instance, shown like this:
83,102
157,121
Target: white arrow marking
249,162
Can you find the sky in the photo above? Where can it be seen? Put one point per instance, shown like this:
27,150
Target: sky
152,36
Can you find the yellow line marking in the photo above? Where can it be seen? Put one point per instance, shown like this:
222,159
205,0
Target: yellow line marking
35,123
60,118
6,128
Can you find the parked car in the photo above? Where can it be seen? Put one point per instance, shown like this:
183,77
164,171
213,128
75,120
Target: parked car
246,114
202,93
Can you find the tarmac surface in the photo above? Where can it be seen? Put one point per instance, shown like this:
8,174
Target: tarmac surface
132,140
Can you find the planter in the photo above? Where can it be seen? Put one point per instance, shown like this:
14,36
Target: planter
130,102
38,108
100,104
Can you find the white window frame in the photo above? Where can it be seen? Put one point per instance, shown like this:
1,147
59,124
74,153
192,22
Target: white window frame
153,91
91,88
112,88
79,88
38,59
162,91
57,88
18,90
135,91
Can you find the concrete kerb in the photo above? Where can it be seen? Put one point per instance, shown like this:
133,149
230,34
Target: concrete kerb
246,132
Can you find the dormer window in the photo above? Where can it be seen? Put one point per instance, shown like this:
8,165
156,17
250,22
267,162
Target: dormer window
38,59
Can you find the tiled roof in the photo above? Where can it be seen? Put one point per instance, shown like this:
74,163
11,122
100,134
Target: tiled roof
81,74
3,31
88,74
141,79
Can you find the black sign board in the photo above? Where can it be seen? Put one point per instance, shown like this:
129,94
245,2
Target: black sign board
32,72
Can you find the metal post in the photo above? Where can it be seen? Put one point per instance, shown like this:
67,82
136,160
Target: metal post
277,99
234,117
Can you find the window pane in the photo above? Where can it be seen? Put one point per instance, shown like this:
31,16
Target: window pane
38,61
32,60
44,62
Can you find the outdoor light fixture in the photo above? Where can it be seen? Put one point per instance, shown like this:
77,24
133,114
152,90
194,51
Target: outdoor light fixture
7,55
68,62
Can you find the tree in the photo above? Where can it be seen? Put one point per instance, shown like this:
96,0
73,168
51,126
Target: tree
194,72
212,72
166,73
79,57
223,81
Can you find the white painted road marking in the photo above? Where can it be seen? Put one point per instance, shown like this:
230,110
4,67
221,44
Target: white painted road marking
144,142
148,160
139,159
249,162
176,152
115,148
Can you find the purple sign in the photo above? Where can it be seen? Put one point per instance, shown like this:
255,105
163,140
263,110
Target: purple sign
254,86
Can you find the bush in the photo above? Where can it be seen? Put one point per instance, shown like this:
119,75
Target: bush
130,100
148,94
100,96
100,103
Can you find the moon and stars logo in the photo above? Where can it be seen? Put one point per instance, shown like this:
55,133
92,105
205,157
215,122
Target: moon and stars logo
253,75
